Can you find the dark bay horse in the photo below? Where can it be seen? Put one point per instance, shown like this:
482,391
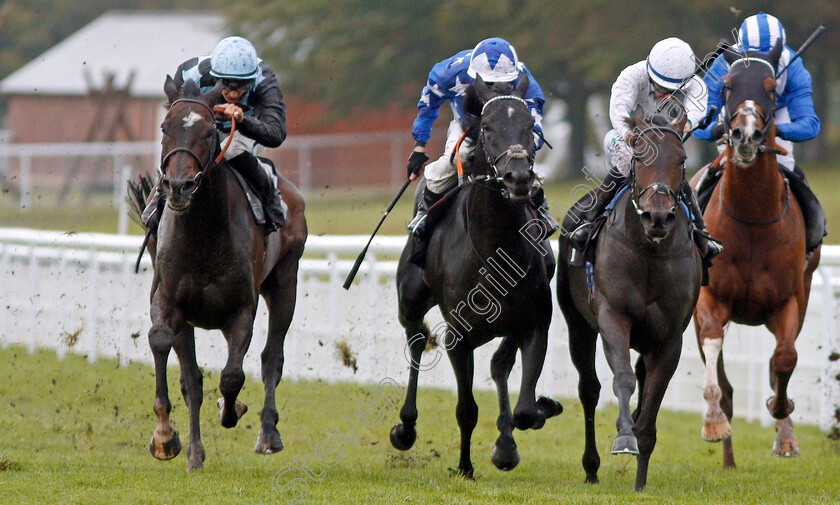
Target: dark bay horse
639,295
211,263
489,274
762,276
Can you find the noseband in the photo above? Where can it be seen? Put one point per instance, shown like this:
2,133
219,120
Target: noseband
202,164
656,187
515,151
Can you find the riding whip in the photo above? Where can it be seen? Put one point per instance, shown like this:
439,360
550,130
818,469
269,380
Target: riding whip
805,46
355,269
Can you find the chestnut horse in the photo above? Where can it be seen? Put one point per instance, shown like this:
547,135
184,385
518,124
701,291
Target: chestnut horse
762,276
211,264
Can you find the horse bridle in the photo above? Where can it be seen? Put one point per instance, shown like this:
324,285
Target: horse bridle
765,118
211,152
515,151
656,187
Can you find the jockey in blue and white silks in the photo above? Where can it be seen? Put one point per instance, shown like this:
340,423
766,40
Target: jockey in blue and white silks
795,119
493,59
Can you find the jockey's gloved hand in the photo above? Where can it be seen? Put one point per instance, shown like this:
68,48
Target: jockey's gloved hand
718,130
415,162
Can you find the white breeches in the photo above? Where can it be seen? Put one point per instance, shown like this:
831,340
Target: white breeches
442,174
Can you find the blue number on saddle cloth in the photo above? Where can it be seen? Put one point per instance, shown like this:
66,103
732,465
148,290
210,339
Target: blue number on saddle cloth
590,280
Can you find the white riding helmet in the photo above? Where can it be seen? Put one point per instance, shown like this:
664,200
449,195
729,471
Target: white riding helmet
234,58
494,60
670,62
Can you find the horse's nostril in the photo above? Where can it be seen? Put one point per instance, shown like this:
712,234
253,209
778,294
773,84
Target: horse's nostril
756,137
188,187
165,184
737,134
670,218
647,217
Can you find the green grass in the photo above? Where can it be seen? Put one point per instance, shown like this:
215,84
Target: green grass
350,211
73,432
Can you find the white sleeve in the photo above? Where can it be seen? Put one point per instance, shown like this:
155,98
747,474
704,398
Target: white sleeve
624,95
696,98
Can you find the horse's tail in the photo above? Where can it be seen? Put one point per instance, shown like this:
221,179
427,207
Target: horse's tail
138,194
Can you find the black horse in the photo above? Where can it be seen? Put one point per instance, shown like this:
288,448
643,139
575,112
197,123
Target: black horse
489,273
639,295
211,263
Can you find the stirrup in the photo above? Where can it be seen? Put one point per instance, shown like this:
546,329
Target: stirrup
579,237
417,226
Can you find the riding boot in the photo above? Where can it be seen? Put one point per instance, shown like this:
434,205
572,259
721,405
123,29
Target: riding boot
812,210
540,204
708,246
418,226
251,169
151,214
580,236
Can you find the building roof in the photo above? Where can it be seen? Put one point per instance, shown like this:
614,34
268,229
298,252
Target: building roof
119,42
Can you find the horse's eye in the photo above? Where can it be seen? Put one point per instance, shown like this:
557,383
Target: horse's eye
163,127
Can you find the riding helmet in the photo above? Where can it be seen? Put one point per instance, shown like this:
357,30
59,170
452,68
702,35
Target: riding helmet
670,62
494,60
234,58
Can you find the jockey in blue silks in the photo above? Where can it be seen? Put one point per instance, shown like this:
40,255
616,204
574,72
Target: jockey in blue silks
495,61
795,118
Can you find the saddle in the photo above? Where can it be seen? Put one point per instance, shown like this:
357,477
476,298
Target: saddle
251,194
812,210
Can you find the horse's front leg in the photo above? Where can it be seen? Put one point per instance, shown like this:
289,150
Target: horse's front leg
615,333
238,337
784,324
531,412
504,456
165,443
192,387
463,363
709,319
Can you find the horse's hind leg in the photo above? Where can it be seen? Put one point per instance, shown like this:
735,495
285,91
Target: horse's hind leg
659,368
414,302
165,443
504,456
280,296
192,389
582,341
232,378
785,326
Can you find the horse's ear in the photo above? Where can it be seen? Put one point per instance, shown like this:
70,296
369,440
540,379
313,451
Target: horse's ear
776,52
522,85
170,88
481,88
638,117
472,103
214,94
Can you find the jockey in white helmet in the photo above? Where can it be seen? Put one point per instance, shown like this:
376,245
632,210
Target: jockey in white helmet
645,85
493,59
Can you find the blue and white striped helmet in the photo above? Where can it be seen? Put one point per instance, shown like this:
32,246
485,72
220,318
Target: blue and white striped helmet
760,32
494,60
234,58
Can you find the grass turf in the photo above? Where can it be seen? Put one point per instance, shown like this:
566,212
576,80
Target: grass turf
73,432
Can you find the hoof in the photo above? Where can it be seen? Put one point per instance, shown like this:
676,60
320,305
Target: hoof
592,478
196,456
549,407
464,473
505,459
715,432
240,409
625,444
524,419
787,448
269,441
772,407
165,450
403,438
